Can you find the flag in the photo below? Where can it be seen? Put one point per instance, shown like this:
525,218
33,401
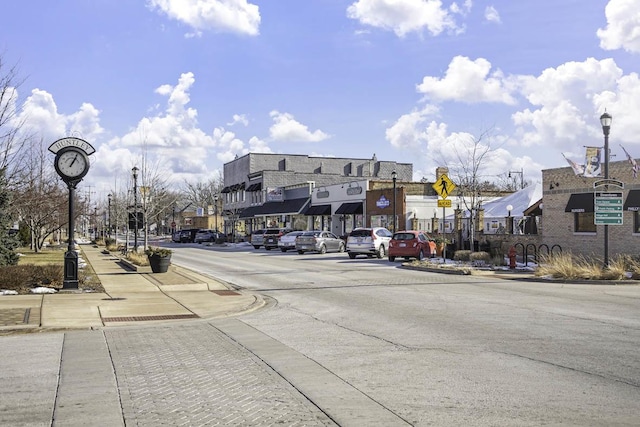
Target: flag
577,169
592,162
632,162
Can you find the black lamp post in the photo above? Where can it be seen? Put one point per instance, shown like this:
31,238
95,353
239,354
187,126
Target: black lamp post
109,209
605,121
215,210
394,176
134,172
509,220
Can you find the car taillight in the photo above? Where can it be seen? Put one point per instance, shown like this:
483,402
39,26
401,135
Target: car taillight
373,236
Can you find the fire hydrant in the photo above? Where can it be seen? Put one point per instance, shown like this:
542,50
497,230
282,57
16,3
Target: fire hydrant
512,257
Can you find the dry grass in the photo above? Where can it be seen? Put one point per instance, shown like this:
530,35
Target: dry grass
46,269
138,258
574,267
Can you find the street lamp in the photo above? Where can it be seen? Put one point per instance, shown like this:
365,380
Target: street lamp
521,173
394,176
605,121
109,222
134,172
509,220
215,210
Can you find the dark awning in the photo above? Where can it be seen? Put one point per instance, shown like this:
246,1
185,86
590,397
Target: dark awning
318,210
581,202
291,207
633,201
249,212
255,187
350,208
226,190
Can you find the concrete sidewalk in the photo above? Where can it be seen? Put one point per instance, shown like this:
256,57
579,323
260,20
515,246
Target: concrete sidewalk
130,298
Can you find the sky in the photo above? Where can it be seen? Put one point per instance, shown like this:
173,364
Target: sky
191,84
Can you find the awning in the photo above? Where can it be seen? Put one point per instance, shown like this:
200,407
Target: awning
579,203
633,201
318,210
226,190
350,208
290,207
255,187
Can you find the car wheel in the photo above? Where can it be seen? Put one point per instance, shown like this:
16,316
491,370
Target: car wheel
341,248
283,249
256,246
323,249
420,255
352,255
381,252
268,248
391,258
300,252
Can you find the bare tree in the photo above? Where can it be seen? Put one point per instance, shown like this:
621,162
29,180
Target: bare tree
12,135
39,196
472,154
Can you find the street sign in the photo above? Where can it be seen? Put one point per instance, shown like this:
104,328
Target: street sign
607,208
444,186
444,203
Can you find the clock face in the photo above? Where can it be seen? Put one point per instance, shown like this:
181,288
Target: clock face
72,164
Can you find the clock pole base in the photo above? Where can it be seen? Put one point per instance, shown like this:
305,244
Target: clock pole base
70,270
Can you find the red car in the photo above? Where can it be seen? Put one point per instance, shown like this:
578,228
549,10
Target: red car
411,244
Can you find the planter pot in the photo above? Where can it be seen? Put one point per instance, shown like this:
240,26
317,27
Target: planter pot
159,264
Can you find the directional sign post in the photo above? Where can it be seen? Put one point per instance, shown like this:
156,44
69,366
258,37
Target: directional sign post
608,208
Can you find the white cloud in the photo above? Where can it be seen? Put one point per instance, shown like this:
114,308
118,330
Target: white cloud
40,112
623,26
492,15
239,118
286,128
236,16
470,82
569,99
406,131
405,16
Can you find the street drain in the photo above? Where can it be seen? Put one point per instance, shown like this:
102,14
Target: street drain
225,293
148,318
114,299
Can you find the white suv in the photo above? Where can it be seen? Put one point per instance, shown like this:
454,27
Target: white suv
369,242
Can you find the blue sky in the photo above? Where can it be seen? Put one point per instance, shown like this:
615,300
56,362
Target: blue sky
190,84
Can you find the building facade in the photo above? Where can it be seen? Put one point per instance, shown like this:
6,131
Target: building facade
263,189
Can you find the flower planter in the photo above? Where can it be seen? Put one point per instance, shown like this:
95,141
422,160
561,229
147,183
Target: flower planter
159,264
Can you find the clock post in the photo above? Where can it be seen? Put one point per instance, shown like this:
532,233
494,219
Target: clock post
72,164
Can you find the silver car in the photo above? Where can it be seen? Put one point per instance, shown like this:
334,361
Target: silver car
288,241
319,241
369,242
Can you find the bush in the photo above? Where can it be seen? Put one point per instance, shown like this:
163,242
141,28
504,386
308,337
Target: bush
480,256
462,255
30,275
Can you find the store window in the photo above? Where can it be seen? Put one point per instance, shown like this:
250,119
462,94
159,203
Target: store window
584,222
636,222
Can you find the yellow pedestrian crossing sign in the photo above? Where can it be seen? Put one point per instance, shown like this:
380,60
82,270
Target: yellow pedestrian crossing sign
444,186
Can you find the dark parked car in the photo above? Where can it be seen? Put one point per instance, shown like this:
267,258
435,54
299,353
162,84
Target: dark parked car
319,241
411,244
272,235
188,235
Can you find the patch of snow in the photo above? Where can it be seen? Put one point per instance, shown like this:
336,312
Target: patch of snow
43,290
8,292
